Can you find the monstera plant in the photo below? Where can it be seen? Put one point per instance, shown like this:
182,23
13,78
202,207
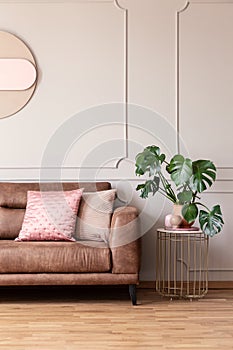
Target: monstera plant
188,179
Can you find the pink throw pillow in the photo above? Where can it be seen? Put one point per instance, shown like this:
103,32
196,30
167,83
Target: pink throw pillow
50,216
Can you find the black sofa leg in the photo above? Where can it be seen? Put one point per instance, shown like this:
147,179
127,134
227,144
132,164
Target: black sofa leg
133,293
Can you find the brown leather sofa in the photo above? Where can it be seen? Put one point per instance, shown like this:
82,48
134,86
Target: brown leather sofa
67,263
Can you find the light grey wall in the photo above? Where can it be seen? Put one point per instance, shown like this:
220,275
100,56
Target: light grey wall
171,60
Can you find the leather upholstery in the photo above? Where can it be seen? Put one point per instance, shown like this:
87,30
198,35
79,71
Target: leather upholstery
55,263
14,195
40,279
125,241
37,257
10,222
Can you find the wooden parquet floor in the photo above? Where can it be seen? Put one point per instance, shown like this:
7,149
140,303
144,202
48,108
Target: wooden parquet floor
92,318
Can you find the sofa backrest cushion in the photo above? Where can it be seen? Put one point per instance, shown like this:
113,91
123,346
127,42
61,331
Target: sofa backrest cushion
13,201
14,195
11,221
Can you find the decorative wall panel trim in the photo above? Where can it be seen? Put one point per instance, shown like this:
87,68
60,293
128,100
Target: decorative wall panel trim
227,170
123,153
178,75
53,1
211,2
126,75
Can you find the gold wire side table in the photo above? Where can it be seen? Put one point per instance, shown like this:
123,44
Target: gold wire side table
182,263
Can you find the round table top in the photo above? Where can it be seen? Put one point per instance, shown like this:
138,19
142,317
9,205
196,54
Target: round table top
180,230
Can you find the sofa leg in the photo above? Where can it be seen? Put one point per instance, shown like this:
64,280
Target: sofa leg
133,293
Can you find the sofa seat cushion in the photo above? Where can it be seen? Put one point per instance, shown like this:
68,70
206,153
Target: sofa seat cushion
57,257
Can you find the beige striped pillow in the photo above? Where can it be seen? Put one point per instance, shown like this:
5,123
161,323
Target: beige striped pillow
94,216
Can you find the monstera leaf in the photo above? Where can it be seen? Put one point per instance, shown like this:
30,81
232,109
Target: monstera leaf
185,197
204,173
150,186
156,151
180,169
211,222
190,178
190,212
149,160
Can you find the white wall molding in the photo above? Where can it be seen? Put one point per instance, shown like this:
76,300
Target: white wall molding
177,99
124,124
211,1
224,172
54,1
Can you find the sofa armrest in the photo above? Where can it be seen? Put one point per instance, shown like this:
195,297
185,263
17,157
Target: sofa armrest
125,242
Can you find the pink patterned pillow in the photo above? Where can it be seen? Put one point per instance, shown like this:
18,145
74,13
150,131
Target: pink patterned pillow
50,216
